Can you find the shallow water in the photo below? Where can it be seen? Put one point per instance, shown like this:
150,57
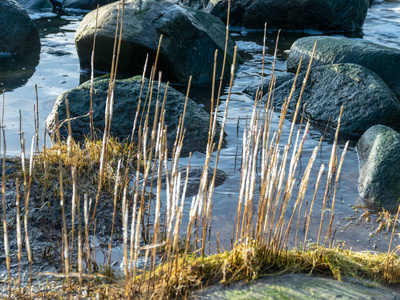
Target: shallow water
57,70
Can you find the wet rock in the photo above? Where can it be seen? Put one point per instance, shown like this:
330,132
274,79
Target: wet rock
84,4
194,179
297,286
126,98
324,15
58,52
382,60
279,80
366,99
36,5
18,33
379,156
10,167
190,38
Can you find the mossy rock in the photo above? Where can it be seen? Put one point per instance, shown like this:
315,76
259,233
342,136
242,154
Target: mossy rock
366,99
297,286
190,39
126,97
323,15
384,61
379,156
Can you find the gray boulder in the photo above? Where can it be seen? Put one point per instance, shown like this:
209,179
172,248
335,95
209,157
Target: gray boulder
36,5
190,40
382,60
126,98
379,156
85,4
324,15
18,33
366,99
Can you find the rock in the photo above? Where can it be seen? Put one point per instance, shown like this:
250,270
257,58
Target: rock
280,79
373,2
366,99
125,103
379,156
194,179
298,286
36,5
84,4
18,33
190,38
382,60
324,15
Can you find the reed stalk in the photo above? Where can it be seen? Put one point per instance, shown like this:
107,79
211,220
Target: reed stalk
331,170
92,77
116,187
62,204
36,118
338,173
5,227
19,237
80,254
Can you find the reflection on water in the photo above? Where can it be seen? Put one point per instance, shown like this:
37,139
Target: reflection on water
15,71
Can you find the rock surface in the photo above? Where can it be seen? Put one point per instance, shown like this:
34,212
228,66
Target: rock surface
366,99
126,98
194,179
324,15
190,38
298,286
382,60
379,156
18,33
36,5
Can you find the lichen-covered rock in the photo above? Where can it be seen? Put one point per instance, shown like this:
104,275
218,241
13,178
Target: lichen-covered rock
366,99
190,38
379,156
324,15
126,97
18,33
382,60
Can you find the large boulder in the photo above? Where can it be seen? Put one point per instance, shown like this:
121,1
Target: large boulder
190,38
126,98
18,33
366,98
324,15
379,156
382,60
84,4
36,5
